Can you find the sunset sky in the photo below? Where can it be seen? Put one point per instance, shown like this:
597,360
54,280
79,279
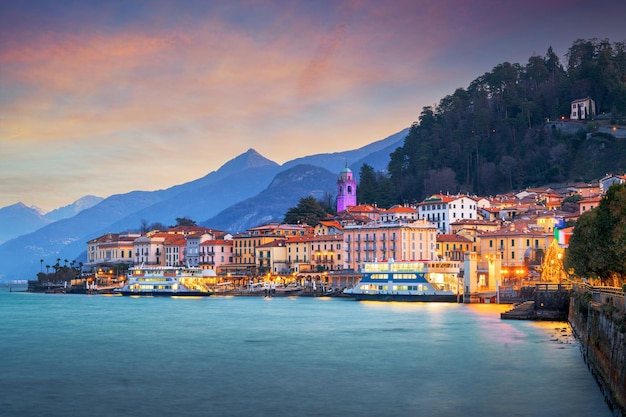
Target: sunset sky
107,97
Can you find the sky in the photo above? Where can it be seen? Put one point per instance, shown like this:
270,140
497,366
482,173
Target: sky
106,97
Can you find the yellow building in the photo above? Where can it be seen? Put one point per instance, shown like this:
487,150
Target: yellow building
245,244
111,248
519,246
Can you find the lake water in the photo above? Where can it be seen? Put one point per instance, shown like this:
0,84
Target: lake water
79,355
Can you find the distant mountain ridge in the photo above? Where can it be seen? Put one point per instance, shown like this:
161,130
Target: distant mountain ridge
18,219
271,204
212,199
73,209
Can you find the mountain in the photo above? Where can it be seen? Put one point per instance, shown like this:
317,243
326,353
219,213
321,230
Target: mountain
375,154
240,178
284,192
18,219
235,186
73,209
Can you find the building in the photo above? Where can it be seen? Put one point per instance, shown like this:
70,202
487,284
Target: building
328,227
214,254
404,241
175,249
443,210
452,247
149,250
346,190
588,204
518,245
271,258
397,213
298,258
326,252
245,244
192,249
610,179
111,248
583,109
364,212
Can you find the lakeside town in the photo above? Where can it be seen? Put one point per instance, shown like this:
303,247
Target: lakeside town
498,243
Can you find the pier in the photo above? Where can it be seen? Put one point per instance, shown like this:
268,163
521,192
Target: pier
542,302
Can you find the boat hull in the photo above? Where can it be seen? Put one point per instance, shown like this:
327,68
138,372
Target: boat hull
164,293
424,298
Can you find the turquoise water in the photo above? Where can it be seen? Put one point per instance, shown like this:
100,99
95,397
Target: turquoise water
79,355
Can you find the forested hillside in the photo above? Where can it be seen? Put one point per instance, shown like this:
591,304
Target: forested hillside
492,136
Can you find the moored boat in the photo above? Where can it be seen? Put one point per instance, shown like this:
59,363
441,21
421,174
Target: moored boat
425,281
166,281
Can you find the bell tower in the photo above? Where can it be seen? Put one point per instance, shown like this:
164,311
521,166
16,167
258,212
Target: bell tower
346,190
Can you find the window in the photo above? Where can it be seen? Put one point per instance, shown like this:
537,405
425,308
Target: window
512,242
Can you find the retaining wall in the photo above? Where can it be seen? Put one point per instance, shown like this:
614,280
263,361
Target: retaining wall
601,330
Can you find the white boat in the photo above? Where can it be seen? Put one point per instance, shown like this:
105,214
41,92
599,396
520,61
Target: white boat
167,281
409,281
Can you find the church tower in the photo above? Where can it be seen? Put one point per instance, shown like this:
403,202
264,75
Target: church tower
346,190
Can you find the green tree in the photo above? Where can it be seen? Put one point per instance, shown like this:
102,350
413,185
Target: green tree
185,221
308,211
367,191
597,247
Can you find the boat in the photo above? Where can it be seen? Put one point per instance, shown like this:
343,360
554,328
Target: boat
426,281
167,281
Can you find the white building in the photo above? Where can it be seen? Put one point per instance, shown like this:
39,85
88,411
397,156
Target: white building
443,210
583,109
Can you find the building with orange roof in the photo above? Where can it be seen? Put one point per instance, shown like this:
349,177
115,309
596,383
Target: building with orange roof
111,248
326,252
245,244
398,212
271,258
365,210
452,247
216,253
472,230
488,213
588,204
584,189
299,253
175,249
328,227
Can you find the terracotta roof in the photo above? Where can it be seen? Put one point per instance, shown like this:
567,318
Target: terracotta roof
331,223
452,238
363,208
401,209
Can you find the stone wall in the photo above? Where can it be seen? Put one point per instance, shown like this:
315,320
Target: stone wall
601,330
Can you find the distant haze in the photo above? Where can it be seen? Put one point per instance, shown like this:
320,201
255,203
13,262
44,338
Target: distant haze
108,97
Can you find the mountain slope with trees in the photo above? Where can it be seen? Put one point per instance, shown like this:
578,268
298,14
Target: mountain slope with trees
492,136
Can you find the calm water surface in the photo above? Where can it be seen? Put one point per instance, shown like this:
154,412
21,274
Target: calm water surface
78,355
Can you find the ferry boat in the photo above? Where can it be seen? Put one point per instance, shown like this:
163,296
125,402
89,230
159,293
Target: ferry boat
166,281
425,281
